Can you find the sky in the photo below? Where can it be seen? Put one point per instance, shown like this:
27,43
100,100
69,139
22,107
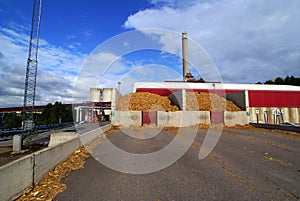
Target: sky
94,43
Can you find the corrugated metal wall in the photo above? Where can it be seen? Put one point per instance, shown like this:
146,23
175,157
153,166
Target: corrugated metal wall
261,98
274,98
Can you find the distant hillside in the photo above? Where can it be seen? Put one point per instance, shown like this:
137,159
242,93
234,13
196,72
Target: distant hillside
288,80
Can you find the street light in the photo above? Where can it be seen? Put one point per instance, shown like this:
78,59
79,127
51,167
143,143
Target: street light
119,84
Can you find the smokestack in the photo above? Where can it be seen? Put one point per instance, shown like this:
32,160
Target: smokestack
185,54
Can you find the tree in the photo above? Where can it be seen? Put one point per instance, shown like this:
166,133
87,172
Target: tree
12,120
52,114
279,80
288,80
269,82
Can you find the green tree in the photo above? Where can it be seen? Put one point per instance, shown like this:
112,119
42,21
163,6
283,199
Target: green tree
269,82
52,114
279,80
288,80
12,120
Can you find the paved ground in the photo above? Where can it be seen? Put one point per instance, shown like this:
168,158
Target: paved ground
246,164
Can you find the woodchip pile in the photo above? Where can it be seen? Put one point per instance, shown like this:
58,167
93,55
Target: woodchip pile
145,101
208,102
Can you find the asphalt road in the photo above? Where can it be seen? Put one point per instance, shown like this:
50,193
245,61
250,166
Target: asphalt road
246,164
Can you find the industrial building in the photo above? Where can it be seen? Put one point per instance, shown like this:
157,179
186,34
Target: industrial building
102,102
260,102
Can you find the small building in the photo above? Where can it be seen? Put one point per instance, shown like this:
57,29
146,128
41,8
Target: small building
102,102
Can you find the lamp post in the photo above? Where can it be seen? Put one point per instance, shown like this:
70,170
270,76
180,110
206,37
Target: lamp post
119,85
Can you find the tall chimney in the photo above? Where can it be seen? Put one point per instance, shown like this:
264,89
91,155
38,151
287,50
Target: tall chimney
185,54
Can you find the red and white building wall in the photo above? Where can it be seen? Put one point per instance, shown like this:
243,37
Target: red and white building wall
262,102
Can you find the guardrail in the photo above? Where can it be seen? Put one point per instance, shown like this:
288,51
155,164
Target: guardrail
22,174
7,134
277,127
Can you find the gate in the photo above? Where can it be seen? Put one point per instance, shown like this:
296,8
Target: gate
217,117
149,118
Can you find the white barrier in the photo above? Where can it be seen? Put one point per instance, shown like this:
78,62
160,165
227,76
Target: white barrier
235,118
88,137
15,177
21,174
127,118
58,138
47,159
182,118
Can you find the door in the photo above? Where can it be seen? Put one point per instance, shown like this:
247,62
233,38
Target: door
217,117
149,118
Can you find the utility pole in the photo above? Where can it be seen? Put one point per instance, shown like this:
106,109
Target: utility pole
31,69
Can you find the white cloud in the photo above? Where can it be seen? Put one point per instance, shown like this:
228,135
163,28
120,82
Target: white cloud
143,73
87,33
94,68
57,69
173,3
244,38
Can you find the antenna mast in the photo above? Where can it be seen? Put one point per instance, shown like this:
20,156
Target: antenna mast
31,69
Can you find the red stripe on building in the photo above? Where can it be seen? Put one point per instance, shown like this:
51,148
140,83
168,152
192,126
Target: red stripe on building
274,98
167,92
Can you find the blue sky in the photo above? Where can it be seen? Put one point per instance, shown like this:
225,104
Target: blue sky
67,23
248,41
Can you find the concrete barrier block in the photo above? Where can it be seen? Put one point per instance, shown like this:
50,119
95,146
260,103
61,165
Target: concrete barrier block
204,117
127,118
200,117
182,118
174,119
47,159
115,118
194,120
88,137
162,118
15,177
17,143
185,119
58,138
235,118
135,118
190,118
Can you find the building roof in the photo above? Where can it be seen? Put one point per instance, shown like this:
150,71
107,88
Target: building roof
215,86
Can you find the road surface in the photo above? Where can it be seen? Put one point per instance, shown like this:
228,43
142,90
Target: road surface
246,164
